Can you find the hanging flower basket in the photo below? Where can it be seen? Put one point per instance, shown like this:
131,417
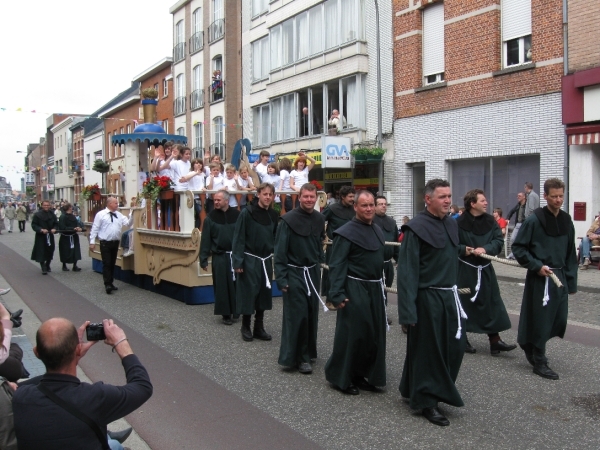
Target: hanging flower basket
154,188
166,195
96,196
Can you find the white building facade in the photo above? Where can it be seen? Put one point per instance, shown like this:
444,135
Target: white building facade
301,60
93,149
63,154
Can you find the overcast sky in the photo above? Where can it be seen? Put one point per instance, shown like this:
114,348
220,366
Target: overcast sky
70,56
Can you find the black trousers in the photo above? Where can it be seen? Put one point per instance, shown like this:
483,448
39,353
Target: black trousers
21,225
108,251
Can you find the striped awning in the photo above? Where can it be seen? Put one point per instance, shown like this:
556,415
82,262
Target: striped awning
584,139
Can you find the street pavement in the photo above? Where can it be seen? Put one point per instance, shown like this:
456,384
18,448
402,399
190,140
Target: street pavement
212,390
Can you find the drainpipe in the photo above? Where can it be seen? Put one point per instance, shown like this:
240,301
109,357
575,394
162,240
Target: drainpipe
379,120
565,72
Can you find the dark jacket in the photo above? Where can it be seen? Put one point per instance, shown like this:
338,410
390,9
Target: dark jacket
40,423
515,210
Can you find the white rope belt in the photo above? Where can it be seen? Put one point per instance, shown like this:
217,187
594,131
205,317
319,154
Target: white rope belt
48,239
382,284
72,243
460,312
387,261
307,278
268,284
231,261
479,269
546,298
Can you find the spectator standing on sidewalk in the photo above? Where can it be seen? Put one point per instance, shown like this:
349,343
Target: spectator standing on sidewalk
591,238
217,240
10,212
533,200
298,254
44,223
519,210
41,423
546,245
21,216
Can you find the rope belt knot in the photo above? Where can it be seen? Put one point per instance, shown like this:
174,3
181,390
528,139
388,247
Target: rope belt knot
48,239
460,312
268,283
71,239
479,270
382,284
231,261
307,278
546,298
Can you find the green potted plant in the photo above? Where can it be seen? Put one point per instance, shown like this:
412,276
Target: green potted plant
368,154
91,191
101,166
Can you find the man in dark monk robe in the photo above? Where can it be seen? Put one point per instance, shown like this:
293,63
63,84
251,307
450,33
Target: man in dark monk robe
357,291
429,305
44,223
390,233
298,255
69,248
253,244
546,245
480,233
336,215
217,240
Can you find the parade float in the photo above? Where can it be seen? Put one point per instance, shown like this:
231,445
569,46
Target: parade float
166,244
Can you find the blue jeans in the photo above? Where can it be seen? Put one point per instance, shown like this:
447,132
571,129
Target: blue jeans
584,247
114,445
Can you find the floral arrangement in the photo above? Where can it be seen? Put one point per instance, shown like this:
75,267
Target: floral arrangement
89,190
317,185
153,185
367,151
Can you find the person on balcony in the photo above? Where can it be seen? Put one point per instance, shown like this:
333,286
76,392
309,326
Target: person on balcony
337,121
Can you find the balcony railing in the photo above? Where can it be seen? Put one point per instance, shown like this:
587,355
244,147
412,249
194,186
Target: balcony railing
196,42
218,149
179,52
179,106
197,99
198,152
216,30
217,90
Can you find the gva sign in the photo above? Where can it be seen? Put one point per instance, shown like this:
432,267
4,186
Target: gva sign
335,153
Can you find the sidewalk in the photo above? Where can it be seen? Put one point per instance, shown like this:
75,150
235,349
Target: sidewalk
24,336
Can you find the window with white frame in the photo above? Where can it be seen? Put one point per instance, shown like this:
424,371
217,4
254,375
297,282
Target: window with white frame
306,34
180,86
179,32
433,44
516,32
261,122
181,131
197,77
283,118
165,87
218,133
197,21
260,59
165,125
198,138
259,6
218,10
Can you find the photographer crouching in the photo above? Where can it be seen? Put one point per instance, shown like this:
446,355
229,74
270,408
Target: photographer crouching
56,410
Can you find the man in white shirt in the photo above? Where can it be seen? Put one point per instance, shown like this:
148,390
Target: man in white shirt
107,226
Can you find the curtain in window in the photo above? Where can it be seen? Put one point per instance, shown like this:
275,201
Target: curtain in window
351,102
218,12
315,17
276,120
258,6
266,125
275,38
289,117
197,81
302,33
180,85
287,38
197,20
256,60
331,19
264,57
198,135
256,126
350,18
179,33
218,130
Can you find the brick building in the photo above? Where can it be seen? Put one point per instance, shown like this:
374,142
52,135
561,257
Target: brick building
477,97
207,101
581,110
303,59
34,164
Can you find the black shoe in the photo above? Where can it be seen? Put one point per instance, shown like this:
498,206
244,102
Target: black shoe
65,268
389,321
305,368
48,268
260,333
350,390
44,268
16,321
236,316
501,346
120,436
113,287
364,385
108,289
247,333
545,372
76,269
16,314
227,320
529,357
468,349
435,416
